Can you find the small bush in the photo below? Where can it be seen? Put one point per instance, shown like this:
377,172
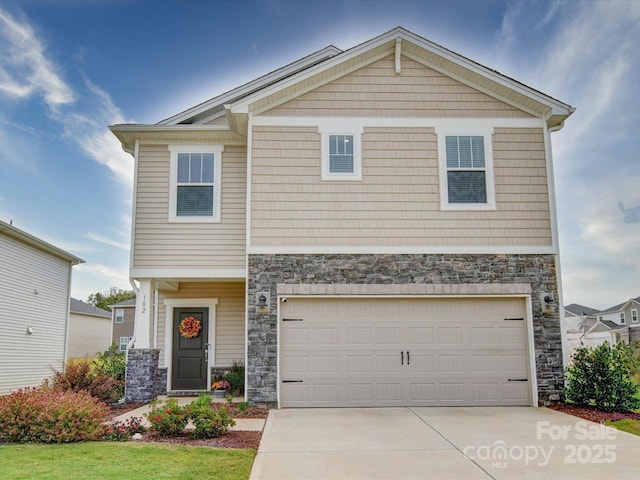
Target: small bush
243,406
79,376
48,416
112,362
168,419
210,423
600,377
123,431
235,377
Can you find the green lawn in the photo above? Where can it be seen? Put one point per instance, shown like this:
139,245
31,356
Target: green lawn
114,461
627,425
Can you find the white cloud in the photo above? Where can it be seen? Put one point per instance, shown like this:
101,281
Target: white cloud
96,237
24,69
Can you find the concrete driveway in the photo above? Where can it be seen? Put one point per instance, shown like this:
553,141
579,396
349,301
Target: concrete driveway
441,443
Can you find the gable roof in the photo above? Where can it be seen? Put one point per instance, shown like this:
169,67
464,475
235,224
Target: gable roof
580,310
78,306
325,66
26,238
620,306
125,303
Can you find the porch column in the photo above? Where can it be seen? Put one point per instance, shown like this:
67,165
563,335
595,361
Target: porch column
144,316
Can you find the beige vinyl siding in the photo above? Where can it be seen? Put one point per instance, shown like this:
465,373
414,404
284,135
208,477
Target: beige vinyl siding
35,293
88,335
160,244
376,91
397,202
229,341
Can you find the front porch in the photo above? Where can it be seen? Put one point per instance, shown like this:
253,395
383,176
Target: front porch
166,359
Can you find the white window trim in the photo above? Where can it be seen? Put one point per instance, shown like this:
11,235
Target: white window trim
116,315
356,132
217,182
487,133
125,345
634,315
623,319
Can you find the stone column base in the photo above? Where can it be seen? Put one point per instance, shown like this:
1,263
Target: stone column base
141,375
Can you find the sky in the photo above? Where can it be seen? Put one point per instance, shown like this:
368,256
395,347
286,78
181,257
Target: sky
70,68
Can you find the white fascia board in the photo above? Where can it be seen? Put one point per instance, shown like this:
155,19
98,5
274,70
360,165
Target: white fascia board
28,239
223,274
426,250
556,106
253,85
360,122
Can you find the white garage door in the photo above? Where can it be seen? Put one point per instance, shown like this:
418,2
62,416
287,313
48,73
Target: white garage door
403,352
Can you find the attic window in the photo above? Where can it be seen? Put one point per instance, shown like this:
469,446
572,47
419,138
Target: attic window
194,194
340,151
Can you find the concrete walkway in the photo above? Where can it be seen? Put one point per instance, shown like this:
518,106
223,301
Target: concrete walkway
441,443
256,424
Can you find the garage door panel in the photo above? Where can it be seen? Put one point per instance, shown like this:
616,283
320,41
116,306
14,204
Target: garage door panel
449,336
324,336
355,352
421,336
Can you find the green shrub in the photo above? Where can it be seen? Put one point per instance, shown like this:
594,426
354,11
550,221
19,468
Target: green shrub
210,423
112,362
235,377
243,406
600,377
168,419
122,431
47,416
79,376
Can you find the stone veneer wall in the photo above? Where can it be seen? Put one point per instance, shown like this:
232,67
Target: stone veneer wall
141,374
267,271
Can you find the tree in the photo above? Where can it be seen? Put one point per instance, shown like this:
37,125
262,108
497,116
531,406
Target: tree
601,376
111,296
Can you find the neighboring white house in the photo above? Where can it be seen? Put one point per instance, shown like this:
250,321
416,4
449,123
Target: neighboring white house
624,318
89,329
35,280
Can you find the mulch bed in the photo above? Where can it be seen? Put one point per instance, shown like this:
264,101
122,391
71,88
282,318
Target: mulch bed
593,414
232,439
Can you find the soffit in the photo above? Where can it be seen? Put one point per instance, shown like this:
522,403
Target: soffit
127,134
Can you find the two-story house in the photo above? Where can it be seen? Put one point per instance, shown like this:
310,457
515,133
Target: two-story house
35,287
368,227
624,320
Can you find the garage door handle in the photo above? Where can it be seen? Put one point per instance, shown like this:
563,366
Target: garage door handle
401,357
518,380
291,381
408,358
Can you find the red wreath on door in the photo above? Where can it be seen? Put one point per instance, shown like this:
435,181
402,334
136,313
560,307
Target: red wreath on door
190,327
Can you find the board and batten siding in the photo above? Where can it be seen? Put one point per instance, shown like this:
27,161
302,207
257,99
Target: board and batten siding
376,91
161,244
397,203
230,328
34,292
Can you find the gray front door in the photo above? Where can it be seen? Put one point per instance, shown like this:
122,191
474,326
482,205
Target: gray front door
189,365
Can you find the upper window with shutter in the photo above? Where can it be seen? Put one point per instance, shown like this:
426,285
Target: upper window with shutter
195,183
466,171
340,155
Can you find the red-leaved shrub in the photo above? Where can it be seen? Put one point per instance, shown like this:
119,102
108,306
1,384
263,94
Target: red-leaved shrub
50,416
79,376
